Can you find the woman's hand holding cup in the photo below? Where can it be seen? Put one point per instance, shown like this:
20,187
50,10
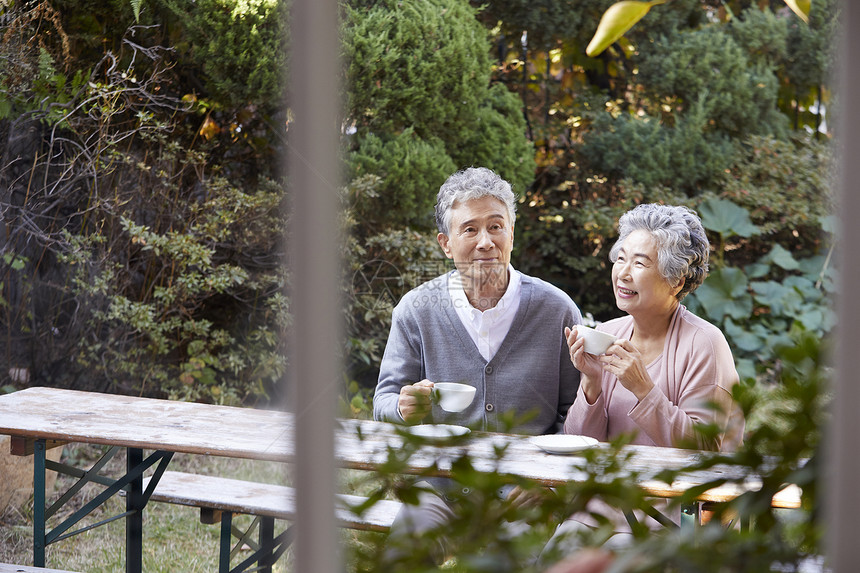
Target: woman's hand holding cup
587,364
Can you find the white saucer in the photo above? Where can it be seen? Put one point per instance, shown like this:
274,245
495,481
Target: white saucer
438,432
563,443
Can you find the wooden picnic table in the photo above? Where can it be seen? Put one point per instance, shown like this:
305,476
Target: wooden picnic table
41,418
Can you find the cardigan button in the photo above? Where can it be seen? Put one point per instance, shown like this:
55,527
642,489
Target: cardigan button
490,407
488,369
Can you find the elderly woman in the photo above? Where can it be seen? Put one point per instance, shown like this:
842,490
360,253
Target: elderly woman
668,370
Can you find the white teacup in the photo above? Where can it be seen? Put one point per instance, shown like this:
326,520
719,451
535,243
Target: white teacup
453,396
596,342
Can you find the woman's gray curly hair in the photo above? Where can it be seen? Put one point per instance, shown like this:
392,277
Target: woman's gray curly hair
682,245
472,183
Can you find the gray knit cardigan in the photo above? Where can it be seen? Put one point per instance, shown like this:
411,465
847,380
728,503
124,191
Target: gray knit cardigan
530,380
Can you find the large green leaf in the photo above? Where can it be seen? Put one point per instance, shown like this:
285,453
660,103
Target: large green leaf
830,224
726,218
742,339
806,287
812,267
617,19
782,300
781,257
724,293
814,319
757,270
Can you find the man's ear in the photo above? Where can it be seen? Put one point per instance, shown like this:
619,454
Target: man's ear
443,242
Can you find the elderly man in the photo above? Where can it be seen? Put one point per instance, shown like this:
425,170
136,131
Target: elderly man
484,324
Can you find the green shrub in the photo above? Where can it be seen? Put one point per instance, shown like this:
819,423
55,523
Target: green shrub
419,100
380,266
786,187
497,140
145,270
411,171
241,48
686,157
706,66
423,65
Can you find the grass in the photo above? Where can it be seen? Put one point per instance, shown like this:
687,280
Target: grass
174,539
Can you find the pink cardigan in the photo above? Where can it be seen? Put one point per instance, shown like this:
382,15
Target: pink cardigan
695,369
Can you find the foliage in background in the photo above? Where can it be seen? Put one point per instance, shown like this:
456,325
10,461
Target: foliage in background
664,116
128,256
173,139
760,304
773,235
378,270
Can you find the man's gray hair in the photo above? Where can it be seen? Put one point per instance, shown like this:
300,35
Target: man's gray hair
472,183
682,245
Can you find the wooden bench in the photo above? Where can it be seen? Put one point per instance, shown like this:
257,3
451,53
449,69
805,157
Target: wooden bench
220,498
9,568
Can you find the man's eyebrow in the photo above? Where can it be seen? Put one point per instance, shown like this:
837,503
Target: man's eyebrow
473,221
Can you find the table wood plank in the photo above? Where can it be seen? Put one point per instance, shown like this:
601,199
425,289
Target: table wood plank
109,419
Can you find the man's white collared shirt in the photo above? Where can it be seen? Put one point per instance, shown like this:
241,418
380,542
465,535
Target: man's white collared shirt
489,328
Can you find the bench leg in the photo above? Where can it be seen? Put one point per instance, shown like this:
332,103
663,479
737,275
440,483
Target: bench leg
690,517
268,551
39,496
134,504
267,540
226,542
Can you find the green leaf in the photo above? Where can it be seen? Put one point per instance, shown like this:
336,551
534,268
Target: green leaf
781,299
801,8
812,267
746,369
743,339
781,257
779,340
726,218
724,293
806,288
615,22
15,261
813,320
757,270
